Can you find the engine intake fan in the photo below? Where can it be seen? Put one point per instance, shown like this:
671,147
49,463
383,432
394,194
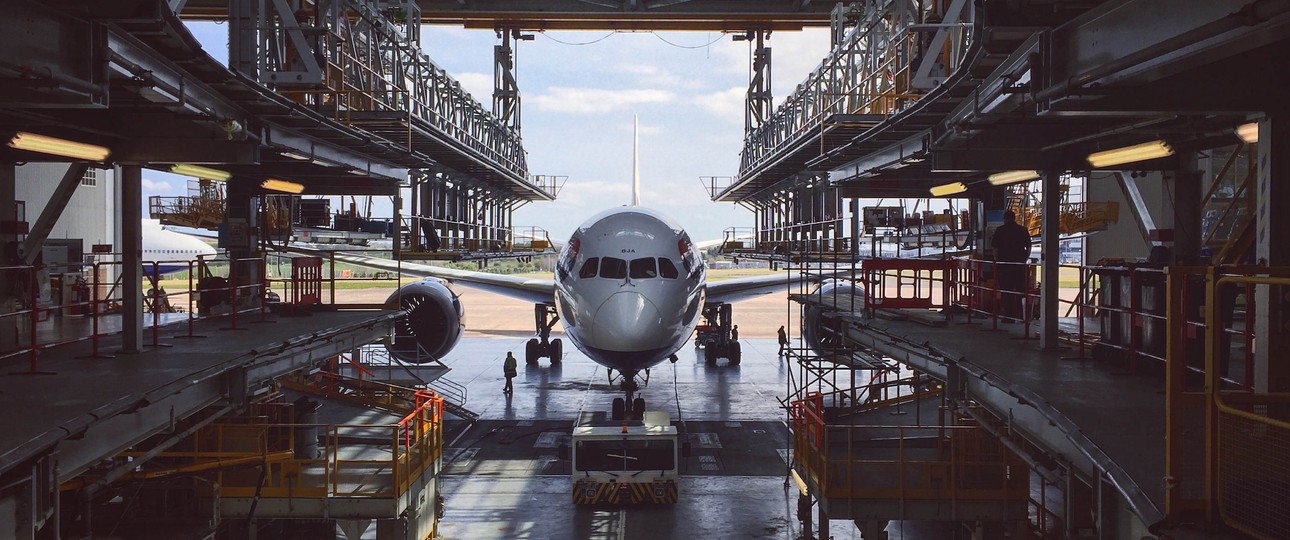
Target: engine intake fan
432,323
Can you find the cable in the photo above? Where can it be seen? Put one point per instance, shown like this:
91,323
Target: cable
684,432
594,41
679,46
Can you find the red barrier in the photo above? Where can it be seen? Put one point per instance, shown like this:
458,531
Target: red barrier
306,281
907,283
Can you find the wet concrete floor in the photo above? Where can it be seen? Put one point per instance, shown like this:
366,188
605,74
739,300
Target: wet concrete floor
503,478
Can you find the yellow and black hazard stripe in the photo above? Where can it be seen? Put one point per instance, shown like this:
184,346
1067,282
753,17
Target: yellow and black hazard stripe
624,493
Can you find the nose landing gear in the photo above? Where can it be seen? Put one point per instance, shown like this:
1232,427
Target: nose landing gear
620,410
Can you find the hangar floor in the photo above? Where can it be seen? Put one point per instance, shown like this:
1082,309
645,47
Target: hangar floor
503,479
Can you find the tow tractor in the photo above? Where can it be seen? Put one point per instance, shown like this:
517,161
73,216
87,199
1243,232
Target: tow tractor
622,462
714,335
545,317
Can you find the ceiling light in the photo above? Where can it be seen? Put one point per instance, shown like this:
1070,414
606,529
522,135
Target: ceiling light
294,155
1248,132
1130,154
948,189
1012,177
282,185
32,142
201,172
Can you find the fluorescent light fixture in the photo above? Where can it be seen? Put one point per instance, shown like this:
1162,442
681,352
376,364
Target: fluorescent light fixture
1248,132
1012,177
293,155
32,142
201,172
1130,154
948,189
282,185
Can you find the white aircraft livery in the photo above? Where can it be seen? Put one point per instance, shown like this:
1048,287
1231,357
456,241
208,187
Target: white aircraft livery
171,250
629,286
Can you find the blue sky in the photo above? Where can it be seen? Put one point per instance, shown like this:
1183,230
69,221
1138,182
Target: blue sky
578,102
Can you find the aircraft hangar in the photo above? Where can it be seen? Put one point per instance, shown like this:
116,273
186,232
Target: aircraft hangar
1124,378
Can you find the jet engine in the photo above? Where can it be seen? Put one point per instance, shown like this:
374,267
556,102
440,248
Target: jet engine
822,331
432,323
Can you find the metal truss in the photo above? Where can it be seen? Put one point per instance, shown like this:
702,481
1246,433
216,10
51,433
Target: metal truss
361,59
896,51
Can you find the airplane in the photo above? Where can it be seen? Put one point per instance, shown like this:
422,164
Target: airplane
173,251
629,285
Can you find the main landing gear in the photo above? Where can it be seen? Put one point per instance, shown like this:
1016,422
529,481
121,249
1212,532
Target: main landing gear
545,317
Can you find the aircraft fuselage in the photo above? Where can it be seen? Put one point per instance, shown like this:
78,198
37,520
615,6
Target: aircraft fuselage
630,287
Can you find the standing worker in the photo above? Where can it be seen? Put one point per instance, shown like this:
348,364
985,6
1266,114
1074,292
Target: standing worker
783,340
509,366
1011,243
734,333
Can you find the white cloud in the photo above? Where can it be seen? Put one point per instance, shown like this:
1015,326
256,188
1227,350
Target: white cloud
652,75
728,105
794,55
480,85
595,100
156,186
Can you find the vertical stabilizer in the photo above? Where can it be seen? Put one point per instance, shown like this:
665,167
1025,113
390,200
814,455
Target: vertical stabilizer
636,165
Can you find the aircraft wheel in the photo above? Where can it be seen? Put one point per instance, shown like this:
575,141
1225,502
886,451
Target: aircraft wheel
557,351
617,412
638,408
735,354
531,351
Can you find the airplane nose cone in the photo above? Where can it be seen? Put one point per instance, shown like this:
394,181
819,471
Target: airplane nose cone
627,321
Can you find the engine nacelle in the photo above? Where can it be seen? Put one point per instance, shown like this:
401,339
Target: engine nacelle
822,332
432,324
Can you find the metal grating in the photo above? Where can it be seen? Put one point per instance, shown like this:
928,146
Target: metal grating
1254,476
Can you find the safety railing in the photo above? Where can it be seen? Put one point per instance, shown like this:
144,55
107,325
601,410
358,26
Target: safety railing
360,461
448,236
336,284
736,240
1249,435
908,283
961,463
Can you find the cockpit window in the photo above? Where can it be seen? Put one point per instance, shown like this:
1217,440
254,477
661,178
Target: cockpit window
613,268
644,268
589,268
667,269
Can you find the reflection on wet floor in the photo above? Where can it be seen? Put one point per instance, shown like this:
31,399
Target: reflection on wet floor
503,478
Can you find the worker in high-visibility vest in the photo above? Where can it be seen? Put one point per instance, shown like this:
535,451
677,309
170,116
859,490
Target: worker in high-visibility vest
509,367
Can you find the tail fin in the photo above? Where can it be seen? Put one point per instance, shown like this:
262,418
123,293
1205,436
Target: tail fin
636,168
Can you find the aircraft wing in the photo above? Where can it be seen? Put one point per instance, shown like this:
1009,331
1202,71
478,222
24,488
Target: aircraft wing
733,290
538,291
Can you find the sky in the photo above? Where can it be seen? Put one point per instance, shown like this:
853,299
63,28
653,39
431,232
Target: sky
579,92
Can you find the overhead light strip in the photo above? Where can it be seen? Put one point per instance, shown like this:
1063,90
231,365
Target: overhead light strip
948,189
1248,132
32,142
201,172
274,184
1012,177
1130,154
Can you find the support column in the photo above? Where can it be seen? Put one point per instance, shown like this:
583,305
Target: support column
1187,211
8,243
1272,245
824,523
131,214
1049,260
